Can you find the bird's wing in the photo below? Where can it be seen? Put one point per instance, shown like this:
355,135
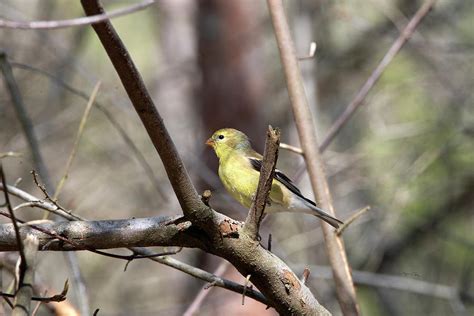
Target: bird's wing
281,177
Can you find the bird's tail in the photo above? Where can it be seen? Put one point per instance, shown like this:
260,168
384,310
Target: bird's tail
315,210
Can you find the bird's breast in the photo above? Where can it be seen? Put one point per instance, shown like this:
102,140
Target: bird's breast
239,179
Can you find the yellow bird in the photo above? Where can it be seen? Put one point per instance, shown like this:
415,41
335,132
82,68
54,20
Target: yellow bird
239,171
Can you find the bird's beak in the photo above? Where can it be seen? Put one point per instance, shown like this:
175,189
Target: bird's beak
210,142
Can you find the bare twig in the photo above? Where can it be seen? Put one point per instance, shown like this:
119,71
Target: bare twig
41,25
306,273
58,208
294,149
206,196
33,202
351,219
148,170
204,292
55,298
15,226
10,154
311,54
375,76
24,294
270,156
152,255
269,243
396,282
24,119
246,283
334,245
80,130
209,277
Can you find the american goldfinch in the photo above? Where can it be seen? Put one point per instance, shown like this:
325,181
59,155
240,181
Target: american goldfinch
239,171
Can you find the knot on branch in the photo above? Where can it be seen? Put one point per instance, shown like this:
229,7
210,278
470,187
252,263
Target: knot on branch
229,228
290,281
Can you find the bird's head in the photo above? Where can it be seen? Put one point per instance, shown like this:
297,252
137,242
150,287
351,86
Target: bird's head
227,140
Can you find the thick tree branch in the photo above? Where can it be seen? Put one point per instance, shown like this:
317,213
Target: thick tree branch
270,156
275,278
106,234
306,130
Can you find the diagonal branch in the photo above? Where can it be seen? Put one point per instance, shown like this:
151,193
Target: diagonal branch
306,130
151,119
270,156
41,25
25,121
148,170
16,230
375,76
80,131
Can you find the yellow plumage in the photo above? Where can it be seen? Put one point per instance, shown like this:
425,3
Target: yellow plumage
239,167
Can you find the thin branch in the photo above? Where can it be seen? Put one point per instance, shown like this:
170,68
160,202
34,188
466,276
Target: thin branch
23,117
311,53
294,149
351,219
24,293
306,273
204,292
80,130
270,156
46,194
148,170
18,240
247,281
395,282
35,202
209,277
50,25
375,76
10,154
55,298
345,290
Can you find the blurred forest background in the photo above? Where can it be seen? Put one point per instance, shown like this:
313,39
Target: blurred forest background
408,153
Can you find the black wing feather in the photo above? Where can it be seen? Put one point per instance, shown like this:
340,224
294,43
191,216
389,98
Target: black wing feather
283,179
280,176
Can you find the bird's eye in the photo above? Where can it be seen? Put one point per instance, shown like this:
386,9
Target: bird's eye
220,136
